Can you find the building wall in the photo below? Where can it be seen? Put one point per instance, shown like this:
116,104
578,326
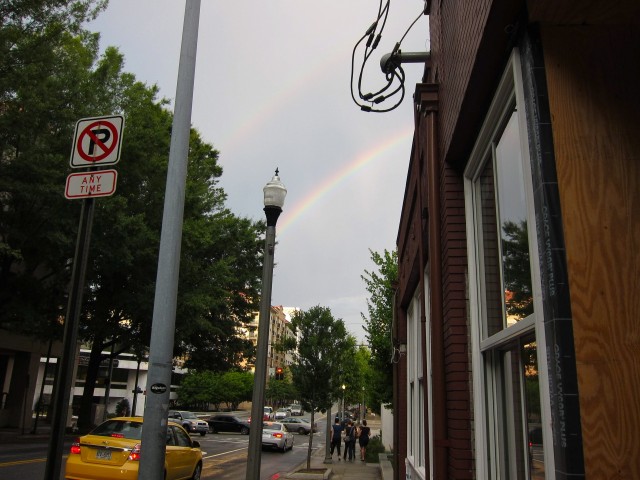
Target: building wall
582,104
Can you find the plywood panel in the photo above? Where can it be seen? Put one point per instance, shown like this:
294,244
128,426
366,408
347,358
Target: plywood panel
592,74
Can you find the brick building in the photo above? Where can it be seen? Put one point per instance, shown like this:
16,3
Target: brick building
516,310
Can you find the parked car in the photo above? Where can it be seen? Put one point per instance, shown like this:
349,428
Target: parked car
296,410
228,423
268,413
281,413
189,421
276,436
299,425
112,450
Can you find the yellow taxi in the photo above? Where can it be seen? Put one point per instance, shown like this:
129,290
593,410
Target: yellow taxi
112,450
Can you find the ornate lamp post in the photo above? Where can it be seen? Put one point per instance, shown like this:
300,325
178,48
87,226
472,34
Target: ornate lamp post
274,194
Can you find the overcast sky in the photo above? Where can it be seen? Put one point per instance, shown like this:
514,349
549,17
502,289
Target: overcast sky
272,91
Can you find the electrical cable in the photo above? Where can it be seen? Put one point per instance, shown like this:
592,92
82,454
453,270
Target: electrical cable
369,101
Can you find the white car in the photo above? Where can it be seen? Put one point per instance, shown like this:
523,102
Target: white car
281,413
296,410
276,436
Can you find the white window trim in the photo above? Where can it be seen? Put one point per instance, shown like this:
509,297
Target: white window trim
510,86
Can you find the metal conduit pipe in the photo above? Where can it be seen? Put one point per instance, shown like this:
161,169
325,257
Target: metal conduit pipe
441,441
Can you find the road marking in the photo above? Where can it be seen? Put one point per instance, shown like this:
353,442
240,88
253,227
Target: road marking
225,453
24,462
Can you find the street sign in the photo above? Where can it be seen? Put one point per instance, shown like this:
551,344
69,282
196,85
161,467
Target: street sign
97,141
101,183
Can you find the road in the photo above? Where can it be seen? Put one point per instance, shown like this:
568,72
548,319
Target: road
224,457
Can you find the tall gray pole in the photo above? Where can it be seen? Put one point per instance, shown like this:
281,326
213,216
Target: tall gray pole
327,447
64,377
259,380
156,409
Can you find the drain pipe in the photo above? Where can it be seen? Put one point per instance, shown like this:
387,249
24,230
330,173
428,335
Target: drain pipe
429,107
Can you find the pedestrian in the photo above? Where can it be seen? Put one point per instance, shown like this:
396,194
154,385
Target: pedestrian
336,437
350,441
365,433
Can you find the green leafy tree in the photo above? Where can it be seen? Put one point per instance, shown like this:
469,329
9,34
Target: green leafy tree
50,76
322,341
280,392
45,86
381,287
517,269
237,388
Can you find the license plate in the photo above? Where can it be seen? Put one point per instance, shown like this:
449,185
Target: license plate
103,454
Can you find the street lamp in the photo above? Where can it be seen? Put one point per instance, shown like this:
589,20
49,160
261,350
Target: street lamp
344,387
274,193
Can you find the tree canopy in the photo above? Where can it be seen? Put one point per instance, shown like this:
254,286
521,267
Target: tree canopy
51,75
381,287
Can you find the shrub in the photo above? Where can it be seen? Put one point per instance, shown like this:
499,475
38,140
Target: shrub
374,447
122,408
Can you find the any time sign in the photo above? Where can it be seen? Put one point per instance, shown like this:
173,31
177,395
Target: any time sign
97,141
91,184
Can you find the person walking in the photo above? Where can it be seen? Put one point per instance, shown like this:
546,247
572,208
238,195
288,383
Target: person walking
365,433
336,437
350,441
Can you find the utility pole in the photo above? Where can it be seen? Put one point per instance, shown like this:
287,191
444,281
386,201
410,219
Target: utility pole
156,409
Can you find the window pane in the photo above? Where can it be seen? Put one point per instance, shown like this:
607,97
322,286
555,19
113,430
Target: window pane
516,269
533,412
490,251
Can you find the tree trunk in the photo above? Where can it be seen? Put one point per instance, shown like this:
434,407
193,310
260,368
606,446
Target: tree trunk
313,413
85,422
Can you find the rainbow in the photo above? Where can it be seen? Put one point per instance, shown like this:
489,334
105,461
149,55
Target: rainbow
329,184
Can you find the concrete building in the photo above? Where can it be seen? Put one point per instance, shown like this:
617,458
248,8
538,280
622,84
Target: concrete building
516,312
279,321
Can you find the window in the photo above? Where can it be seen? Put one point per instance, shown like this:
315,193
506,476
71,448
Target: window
510,402
416,389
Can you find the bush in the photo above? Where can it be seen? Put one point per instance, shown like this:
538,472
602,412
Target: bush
374,448
122,408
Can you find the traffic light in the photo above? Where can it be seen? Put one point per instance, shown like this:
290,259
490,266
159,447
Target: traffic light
279,374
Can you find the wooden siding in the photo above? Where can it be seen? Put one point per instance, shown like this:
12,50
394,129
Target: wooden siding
595,104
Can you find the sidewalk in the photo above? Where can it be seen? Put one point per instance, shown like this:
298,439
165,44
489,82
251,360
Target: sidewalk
341,469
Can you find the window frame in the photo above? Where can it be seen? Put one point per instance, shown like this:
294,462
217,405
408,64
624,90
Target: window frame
486,350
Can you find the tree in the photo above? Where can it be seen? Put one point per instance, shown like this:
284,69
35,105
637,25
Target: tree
50,76
45,85
517,269
322,341
381,287
280,392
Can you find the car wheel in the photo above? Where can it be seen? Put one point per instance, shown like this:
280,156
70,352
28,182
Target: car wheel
301,431
197,472
244,431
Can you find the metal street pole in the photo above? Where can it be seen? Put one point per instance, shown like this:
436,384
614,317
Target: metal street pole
156,409
327,447
64,380
257,402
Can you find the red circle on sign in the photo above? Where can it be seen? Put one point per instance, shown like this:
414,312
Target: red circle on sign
106,150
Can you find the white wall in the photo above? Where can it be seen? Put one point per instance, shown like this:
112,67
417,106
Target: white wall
386,418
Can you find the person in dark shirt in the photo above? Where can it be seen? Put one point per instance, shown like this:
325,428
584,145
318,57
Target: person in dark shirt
350,441
365,433
336,437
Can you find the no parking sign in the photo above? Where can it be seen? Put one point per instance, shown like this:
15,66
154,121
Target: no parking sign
97,141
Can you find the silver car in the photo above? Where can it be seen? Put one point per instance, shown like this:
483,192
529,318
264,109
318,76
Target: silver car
189,421
299,425
276,436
